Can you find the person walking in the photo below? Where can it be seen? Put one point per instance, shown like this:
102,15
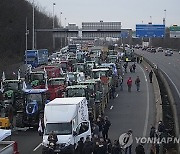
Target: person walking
121,83
113,90
129,84
150,76
106,127
125,66
134,67
100,123
137,83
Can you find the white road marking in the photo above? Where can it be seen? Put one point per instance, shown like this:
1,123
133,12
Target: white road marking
117,95
37,147
147,108
111,107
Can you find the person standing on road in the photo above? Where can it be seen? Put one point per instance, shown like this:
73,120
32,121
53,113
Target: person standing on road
134,67
106,127
121,83
125,66
150,76
137,83
129,84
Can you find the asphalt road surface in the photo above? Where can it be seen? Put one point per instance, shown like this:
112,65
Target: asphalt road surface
135,110
170,66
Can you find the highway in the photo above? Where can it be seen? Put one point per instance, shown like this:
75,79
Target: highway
135,110
170,66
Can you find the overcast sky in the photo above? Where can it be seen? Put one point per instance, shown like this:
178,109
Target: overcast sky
129,12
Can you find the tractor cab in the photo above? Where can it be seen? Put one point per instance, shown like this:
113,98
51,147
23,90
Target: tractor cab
33,110
36,78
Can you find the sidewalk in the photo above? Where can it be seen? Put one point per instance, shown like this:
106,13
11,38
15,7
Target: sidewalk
132,110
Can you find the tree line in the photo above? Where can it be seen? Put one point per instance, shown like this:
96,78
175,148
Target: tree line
13,16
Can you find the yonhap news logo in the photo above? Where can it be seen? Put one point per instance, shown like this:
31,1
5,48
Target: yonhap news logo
157,140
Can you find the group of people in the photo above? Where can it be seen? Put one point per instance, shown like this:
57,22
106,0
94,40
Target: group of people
137,82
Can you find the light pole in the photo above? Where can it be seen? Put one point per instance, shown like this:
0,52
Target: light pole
60,19
65,23
164,17
27,32
53,14
33,28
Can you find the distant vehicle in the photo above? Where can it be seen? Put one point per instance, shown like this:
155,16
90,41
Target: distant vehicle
160,49
36,57
153,50
168,53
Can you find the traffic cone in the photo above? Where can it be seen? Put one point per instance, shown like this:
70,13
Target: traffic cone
146,69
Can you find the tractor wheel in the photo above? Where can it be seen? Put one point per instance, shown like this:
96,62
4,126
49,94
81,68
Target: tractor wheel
19,120
19,104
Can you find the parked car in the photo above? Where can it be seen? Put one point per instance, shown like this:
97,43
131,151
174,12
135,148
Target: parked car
153,50
168,53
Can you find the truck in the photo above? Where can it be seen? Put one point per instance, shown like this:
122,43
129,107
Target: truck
36,57
55,88
95,90
68,118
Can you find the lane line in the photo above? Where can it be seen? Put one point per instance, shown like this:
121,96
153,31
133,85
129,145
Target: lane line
147,108
37,147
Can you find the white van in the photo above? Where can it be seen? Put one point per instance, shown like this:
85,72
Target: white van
68,118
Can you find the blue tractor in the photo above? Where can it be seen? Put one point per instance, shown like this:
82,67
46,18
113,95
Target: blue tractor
33,108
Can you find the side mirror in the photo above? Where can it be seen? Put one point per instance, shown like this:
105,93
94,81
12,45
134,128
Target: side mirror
47,101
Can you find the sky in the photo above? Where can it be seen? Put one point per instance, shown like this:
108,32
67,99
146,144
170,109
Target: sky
128,12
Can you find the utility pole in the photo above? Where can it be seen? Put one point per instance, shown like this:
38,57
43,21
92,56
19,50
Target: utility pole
33,28
27,33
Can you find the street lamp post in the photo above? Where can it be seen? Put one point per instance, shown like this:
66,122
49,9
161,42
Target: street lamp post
53,14
165,17
33,28
27,32
60,19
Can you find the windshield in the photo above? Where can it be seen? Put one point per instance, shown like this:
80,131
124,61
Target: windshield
59,128
76,92
99,74
34,97
12,85
72,77
30,59
35,76
56,82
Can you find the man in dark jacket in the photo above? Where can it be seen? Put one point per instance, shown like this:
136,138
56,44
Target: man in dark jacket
116,148
80,146
88,146
140,149
106,127
150,76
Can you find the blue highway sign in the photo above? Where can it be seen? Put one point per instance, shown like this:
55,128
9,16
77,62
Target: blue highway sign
149,30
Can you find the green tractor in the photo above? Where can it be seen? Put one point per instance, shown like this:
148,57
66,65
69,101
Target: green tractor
12,93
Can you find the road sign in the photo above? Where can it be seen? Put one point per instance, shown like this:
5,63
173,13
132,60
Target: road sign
174,32
149,30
